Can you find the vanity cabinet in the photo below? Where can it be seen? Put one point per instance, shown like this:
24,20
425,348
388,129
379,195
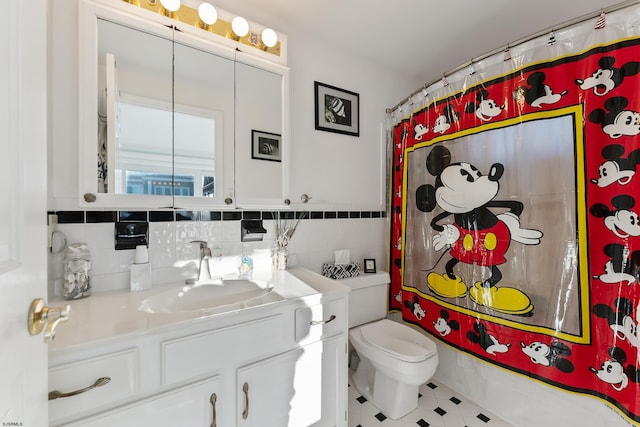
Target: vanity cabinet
281,364
305,386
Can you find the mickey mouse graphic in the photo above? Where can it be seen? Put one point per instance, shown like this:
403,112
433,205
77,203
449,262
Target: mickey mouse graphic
444,325
607,77
622,221
415,307
446,119
477,235
486,341
553,354
616,121
537,93
624,265
613,371
620,319
616,168
484,107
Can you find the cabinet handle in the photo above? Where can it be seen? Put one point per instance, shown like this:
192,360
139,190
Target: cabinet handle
245,389
322,322
99,382
228,200
213,399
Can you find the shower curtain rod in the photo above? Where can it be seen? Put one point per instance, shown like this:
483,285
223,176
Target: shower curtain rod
560,26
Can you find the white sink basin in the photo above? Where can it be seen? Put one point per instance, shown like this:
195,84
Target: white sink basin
210,297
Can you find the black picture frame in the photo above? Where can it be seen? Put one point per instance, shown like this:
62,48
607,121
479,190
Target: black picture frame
337,110
266,146
369,265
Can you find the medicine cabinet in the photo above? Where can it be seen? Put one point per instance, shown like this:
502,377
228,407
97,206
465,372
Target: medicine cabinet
169,115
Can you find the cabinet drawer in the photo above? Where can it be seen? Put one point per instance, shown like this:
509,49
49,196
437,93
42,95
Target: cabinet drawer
319,321
120,367
194,405
204,353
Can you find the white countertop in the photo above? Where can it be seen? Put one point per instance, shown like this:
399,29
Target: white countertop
109,315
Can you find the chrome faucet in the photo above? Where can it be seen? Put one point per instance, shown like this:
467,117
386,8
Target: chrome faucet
204,273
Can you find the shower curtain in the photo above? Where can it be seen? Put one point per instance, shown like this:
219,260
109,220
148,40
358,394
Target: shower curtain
514,202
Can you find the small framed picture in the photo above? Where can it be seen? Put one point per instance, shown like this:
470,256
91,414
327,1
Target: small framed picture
337,110
266,146
369,265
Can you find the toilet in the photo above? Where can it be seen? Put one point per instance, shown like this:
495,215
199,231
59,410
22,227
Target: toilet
395,359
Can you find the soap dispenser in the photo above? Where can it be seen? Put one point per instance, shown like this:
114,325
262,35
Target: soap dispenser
245,265
140,270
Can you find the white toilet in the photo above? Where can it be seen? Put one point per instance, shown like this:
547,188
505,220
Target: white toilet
394,358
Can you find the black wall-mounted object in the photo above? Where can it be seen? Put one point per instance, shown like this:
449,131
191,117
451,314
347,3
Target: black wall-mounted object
128,235
251,230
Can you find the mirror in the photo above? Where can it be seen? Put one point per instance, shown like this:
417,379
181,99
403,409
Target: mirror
258,136
174,116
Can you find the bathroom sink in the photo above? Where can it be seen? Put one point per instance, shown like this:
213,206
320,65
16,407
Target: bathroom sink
211,296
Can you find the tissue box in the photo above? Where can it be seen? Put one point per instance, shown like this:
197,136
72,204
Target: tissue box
340,271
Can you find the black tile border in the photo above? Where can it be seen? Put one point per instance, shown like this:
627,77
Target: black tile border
161,216
187,215
70,217
232,216
99,216
132,216
89,217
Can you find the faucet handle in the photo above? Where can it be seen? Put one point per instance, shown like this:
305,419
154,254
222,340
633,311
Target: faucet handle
202,243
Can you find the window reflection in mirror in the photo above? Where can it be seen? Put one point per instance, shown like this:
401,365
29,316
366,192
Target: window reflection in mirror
147,162
163,108
134,72
203,118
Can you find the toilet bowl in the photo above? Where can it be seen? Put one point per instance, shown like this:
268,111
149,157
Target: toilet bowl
395,359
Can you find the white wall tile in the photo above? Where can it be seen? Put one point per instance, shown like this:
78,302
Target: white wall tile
174,258
230,231
75,233
162,239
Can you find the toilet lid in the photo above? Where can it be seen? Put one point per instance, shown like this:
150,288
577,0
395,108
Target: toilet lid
399,340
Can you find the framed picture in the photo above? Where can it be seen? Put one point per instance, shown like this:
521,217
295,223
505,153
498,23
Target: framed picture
266,146
369,265
337,110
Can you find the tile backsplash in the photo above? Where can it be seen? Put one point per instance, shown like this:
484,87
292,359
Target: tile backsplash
173,257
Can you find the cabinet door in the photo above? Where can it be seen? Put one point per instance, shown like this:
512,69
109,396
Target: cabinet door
331,399
303,387
194,405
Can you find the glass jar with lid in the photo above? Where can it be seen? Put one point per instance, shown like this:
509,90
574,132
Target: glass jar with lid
76,271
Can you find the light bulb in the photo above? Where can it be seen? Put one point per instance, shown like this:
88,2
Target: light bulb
207,14
269,37
240,26
170,5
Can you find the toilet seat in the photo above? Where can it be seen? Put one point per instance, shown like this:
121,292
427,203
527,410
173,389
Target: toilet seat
399,340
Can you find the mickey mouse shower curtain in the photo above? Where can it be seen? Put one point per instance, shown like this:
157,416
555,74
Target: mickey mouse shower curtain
514,202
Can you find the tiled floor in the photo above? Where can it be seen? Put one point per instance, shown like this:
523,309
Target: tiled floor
438,406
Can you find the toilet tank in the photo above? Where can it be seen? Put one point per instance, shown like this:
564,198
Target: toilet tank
368,297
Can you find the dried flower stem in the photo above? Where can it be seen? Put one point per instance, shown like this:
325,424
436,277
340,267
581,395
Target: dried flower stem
285,229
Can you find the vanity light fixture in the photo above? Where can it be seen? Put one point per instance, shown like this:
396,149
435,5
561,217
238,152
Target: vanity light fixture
269,38
170,7
239,27
208,15
213,20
